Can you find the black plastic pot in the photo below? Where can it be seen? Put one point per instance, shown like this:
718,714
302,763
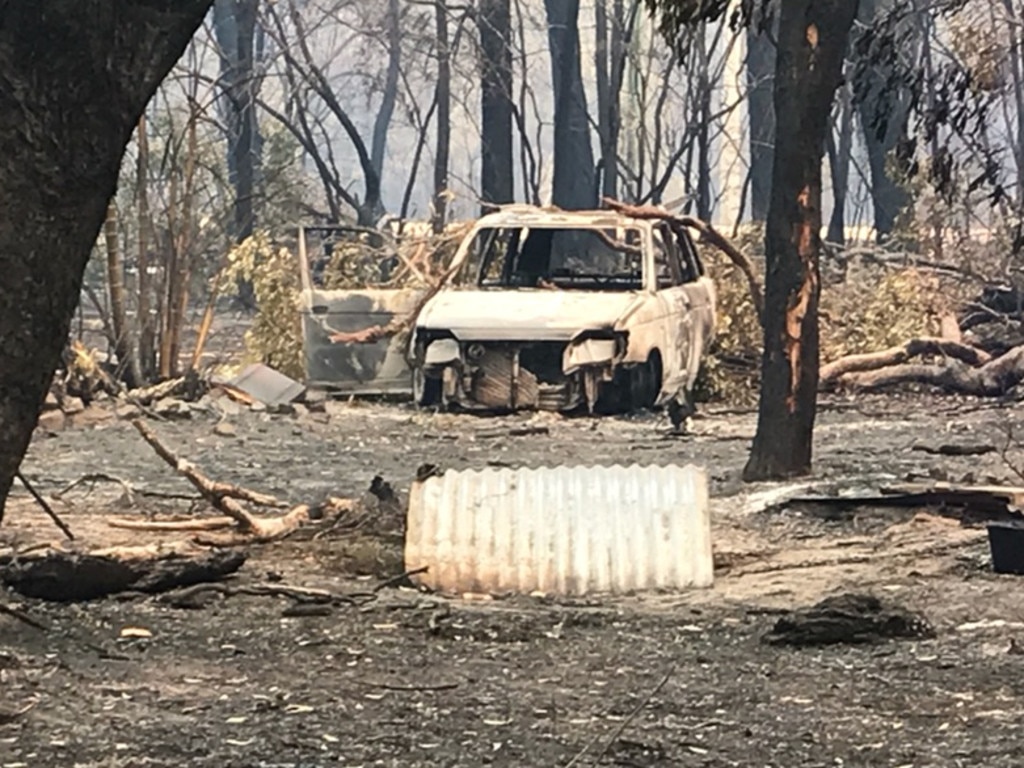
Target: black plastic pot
1006,542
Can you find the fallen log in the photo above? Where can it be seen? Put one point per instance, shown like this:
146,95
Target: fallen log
60,576
710,235
871,361
992,379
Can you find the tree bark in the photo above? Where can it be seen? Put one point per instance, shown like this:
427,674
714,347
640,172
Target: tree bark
443,99
839,166
76,75
884,109
496,174
813,37
382,122
761,111
575,183
124,340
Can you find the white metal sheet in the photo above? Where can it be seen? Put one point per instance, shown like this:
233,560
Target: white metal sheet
562,530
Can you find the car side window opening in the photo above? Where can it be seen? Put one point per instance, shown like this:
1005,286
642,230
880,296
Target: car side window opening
691,263
667,267
568,258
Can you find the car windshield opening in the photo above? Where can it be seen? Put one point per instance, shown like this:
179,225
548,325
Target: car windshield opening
570,258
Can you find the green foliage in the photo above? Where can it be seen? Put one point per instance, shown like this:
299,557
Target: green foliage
275,337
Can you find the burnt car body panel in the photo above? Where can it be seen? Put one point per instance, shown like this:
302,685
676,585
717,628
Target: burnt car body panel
557,310
375,368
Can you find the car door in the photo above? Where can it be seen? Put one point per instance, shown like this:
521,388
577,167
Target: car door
700,304
676,322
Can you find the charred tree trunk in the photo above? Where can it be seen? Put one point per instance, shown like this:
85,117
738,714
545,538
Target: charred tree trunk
884,109
382,123
609,61
839,166
575,184
146,345
235,26
76,77
124,340
761,111
496,174
813,37
443,99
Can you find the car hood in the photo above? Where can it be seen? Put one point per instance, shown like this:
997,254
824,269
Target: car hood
524,314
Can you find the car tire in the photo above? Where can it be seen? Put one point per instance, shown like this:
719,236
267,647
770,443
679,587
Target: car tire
646,383
426,390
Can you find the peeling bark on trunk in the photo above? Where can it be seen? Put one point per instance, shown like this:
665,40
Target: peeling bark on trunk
65,119
813,37
496,175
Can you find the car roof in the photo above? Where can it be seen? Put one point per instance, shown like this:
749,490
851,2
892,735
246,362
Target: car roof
536,216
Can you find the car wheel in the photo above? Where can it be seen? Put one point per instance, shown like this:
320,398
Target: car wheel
426,390
646,383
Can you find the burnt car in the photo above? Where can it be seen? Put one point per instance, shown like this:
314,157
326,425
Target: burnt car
555,310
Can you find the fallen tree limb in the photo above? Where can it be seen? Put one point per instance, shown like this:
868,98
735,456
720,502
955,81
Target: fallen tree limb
708,233
224,497
993,379
60,576
900,354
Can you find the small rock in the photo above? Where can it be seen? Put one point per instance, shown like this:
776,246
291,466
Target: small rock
258,407
127,411
227,406
51,421
313,397
51,401
335,408
282,409
300,411
73,405
173,408
225,429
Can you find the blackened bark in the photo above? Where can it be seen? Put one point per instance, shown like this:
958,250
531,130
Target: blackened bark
575,183
443,99
813,37
883,105
382,123
609,62
75,76
236,29
839,152
761,111
496,174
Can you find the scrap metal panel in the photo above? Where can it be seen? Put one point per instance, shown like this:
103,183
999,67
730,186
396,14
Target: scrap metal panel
563,530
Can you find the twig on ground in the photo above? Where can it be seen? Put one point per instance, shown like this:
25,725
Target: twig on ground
46,506
23,617
400,578
622,726
408,688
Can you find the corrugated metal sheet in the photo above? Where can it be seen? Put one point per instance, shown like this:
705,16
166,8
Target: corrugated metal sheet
562,530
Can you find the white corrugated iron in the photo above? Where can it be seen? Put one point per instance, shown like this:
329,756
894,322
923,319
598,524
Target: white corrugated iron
562,530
